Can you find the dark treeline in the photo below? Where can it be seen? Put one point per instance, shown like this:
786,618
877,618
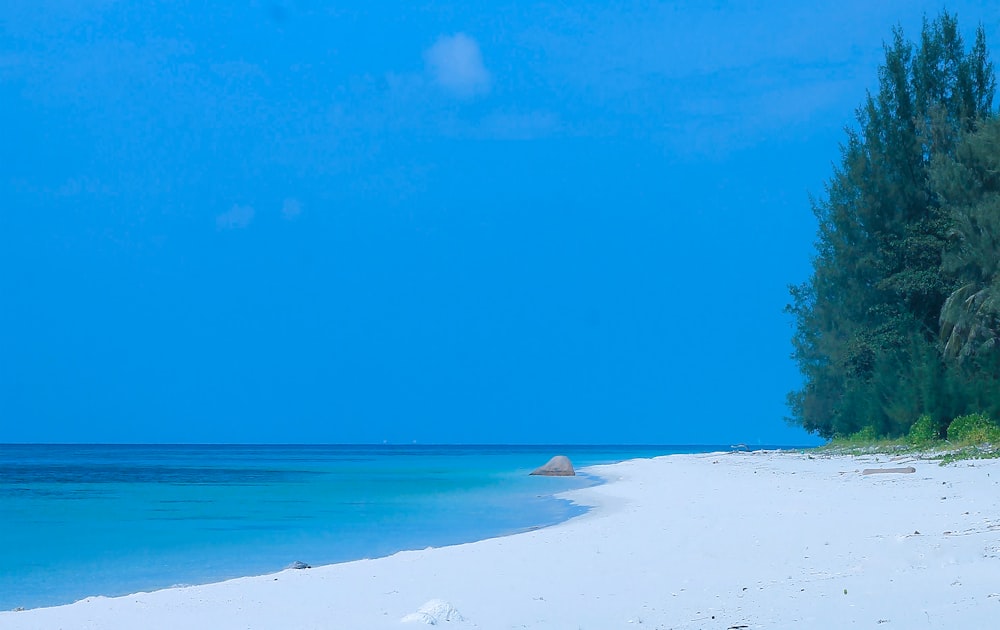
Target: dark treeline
901,316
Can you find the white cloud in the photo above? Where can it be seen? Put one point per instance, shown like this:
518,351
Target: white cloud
291,209
237,217
455,63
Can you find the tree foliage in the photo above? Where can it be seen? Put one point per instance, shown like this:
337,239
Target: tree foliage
869,321
968,184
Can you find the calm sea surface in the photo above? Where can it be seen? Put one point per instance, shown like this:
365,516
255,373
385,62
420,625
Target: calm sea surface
110,520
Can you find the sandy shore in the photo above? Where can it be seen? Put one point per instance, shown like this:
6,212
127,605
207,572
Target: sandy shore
760,540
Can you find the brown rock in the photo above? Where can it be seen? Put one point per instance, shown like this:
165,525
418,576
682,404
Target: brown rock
558,466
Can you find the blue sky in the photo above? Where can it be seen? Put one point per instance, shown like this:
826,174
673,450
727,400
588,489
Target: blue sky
300,221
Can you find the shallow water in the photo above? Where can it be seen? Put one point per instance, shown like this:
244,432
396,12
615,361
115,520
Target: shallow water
89,520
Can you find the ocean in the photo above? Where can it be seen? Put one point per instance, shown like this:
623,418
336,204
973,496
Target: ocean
84,520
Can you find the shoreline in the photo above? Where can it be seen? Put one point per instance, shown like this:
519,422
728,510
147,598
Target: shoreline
61,551
560,496
760,539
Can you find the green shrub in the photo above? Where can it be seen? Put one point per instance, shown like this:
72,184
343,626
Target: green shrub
865,435
975,428
923,431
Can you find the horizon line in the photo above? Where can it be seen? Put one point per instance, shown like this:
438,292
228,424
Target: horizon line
411,444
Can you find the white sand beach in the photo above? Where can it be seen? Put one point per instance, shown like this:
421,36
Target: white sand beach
729,540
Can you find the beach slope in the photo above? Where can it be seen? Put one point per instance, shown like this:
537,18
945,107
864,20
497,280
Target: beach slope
728,540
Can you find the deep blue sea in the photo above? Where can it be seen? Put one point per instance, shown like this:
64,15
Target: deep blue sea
89,520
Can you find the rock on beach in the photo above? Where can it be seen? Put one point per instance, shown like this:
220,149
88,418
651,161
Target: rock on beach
558,466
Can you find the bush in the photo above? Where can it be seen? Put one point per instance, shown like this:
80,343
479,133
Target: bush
975,428
865,435
923,431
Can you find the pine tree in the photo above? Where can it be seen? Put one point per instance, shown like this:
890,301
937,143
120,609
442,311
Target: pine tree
868,315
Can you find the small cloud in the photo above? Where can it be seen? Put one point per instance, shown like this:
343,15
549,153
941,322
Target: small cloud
238,217
291,209
456,64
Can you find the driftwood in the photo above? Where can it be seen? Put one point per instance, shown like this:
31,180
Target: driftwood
878,471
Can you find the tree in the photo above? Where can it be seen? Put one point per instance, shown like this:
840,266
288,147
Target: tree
968,184
871,308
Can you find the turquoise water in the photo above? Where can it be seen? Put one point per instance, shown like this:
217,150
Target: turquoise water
88,520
